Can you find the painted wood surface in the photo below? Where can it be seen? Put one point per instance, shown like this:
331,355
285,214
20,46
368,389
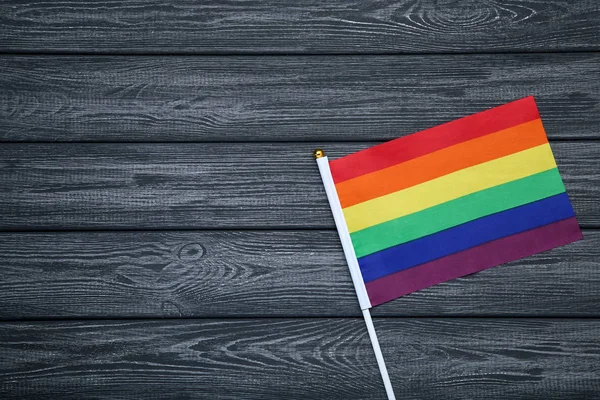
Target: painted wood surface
203,186
164,233
262,274
342,98
300,358
355,26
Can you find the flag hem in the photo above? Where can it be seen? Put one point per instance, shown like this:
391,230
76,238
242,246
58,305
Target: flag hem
344,233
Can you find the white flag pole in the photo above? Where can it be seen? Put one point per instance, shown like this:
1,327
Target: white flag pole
359,284
379,356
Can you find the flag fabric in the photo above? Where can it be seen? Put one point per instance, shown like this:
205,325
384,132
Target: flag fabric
453,200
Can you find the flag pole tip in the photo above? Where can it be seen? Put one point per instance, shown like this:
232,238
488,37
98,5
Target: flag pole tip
318,153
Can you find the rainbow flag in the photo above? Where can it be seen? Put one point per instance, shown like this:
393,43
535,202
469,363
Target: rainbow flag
450,201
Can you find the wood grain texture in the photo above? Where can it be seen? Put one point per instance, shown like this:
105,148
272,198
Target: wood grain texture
170,99
229,234
202,186
300,359
262,274
413,26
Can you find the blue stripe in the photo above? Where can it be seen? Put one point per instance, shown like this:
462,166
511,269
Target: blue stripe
465,236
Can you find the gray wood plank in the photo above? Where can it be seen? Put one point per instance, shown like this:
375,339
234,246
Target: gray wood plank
168,99
262,274
300,359
391,26
202,186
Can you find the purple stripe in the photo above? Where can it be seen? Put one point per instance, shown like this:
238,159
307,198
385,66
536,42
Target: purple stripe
473,260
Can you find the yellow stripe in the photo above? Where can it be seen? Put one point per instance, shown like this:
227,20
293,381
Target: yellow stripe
449,187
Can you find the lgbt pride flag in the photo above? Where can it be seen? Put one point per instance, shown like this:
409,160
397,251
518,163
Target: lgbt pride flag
450,201
446,202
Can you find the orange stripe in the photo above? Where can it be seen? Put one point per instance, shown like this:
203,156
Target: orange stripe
418,144
441,162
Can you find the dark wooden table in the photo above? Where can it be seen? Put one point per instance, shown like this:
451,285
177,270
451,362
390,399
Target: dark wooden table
165,234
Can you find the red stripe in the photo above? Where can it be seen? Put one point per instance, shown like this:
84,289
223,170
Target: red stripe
473,260
436,138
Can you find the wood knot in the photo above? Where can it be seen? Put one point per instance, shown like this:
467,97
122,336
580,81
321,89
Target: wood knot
171,309
191,252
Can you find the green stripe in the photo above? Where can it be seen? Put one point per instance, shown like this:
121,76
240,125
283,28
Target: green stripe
455,212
